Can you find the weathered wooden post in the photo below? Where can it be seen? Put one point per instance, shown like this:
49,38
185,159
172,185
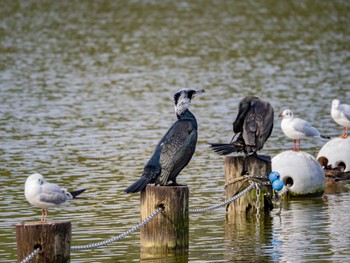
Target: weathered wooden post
53,239
168,232
235,168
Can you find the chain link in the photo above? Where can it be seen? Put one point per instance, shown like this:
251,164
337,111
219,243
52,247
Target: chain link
258,195
160,209
116,238
235,197
31,256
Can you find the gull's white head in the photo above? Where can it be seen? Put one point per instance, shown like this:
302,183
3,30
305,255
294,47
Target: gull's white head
33,186
36,178
286,114
183,99
335,104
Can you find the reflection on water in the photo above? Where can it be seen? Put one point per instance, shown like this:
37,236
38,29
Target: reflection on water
249,238
86,93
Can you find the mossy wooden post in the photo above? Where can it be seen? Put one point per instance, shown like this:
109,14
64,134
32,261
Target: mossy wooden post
53,239
235,168
169,230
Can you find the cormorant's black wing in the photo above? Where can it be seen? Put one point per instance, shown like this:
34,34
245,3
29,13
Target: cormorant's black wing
251,129
253,123
243,108
268,122
258,125
239,125
178,146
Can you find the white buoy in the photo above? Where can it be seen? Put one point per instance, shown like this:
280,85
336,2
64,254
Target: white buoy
300,172
337,152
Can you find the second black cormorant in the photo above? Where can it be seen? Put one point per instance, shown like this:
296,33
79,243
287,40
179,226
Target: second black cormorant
253,125
175,149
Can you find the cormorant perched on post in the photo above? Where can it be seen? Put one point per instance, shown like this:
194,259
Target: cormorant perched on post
175,149
253,125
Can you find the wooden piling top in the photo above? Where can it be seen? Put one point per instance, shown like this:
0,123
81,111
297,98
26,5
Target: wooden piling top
169,230
236,167
53,238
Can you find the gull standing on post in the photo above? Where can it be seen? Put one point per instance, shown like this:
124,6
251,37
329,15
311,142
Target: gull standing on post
175,149
341,115
297,129
44,195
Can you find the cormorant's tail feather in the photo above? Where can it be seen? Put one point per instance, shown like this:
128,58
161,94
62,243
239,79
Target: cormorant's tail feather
138,185
325,137
223,148
77,192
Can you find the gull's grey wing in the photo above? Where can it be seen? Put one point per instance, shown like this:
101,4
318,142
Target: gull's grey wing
305,127
345,109
53,197
53,193
49,187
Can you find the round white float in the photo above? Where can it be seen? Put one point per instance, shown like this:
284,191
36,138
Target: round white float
337,152
301,172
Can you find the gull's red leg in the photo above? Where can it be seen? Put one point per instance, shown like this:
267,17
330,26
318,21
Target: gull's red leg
43,216
43,219
345,134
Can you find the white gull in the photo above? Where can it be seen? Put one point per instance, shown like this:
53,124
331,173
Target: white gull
341,115
296,128
43,194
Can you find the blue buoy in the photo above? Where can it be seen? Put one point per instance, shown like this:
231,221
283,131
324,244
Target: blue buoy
277,185
274,176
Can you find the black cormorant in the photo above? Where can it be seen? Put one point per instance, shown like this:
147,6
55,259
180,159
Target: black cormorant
253,125
175,149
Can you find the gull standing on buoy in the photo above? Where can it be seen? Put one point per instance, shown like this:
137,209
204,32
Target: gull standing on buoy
341,115
253,125
43,194
297,129
175,149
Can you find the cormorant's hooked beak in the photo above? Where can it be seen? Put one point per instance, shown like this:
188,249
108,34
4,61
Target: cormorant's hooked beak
200,91
195,92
